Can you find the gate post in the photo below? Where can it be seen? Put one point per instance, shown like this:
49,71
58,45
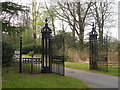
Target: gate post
20,62
46,49
93,49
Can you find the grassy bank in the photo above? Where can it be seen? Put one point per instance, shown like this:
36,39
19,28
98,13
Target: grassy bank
111,71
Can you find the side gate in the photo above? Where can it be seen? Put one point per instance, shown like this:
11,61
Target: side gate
57,55
31,65
102,58
28,65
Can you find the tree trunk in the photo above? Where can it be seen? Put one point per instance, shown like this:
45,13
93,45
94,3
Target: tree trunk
34,20
100,34
81,37
73,31
53,25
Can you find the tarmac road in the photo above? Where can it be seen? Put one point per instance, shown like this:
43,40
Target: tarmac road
94,80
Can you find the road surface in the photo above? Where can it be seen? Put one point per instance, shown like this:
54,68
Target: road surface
94,80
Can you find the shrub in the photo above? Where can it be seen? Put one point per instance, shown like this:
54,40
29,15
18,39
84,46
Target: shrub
66,56
7,53
31,47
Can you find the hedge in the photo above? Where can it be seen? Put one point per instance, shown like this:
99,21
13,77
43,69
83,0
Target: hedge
7,53
31,47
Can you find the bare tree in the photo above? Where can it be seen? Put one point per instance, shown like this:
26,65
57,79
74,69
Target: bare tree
37,18
34,19
52,16
103,15
75,14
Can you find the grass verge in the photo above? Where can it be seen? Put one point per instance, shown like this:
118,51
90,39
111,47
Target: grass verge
13,79
111,71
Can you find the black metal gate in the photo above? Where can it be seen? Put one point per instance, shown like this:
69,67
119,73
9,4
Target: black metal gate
98,52
58,55
52,55
52,52
31,65
102,58
46,49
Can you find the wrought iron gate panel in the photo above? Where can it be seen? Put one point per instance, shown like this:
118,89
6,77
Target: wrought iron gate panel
102,58
31,65
58,55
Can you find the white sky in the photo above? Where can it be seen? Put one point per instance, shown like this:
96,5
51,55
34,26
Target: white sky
113,31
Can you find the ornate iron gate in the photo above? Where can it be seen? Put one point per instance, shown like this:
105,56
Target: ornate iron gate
31,65
58,55
46,49
51,60
52,52
102,58
98,52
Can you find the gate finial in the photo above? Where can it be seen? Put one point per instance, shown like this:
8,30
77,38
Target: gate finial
93,32
93,25
46,20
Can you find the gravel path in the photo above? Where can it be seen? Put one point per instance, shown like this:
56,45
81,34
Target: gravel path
94,80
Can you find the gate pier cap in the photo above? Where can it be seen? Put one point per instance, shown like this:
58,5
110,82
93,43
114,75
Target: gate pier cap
46,29
93,32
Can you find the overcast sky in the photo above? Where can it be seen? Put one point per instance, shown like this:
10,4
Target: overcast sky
112,31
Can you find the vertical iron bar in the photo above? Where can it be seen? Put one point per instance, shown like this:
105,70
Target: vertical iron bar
32,65
63,57
42,51
40,65
20,68
46,51
50,53
107,53
37,66
58,68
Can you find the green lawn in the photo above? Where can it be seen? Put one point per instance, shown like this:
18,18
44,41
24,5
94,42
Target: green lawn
27,68
13,79
111,71
27,56
77,66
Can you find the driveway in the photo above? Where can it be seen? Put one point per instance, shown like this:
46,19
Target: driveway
94,80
